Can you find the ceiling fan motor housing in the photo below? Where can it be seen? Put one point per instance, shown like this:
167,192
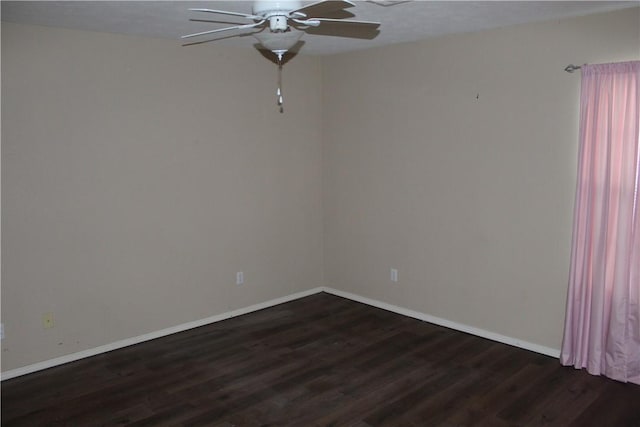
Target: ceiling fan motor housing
276,12
267,7
278,24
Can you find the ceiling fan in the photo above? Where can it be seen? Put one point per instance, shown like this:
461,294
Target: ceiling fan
279,25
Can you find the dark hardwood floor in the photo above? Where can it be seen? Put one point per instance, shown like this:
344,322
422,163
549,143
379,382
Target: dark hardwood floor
319,361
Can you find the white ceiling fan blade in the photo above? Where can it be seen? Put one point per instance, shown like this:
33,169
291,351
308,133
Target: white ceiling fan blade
224,12
321,8
236,27
344,28
368,24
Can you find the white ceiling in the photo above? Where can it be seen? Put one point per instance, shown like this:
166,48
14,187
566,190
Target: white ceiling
402,22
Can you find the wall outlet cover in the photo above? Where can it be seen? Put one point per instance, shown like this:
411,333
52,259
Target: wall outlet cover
47,320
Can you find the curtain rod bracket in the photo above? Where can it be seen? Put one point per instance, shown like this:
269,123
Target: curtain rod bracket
571,68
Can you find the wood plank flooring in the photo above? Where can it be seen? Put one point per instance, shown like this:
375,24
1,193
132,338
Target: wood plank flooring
319,361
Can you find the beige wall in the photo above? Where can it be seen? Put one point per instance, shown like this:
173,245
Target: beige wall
139,176
454,161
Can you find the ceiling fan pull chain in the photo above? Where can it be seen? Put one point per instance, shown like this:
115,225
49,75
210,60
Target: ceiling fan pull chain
279,91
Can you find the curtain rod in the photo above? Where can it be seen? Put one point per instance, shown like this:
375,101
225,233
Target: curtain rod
571,68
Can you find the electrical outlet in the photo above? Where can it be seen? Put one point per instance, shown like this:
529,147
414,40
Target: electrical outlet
394,274
47,320
239,278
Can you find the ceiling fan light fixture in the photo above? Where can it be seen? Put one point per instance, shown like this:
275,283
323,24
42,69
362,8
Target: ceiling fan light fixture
278,43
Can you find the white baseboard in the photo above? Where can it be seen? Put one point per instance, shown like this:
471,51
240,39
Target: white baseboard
217,318
150,336
448,323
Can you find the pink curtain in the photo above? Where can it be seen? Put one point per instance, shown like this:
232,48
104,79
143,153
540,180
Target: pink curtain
602,326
